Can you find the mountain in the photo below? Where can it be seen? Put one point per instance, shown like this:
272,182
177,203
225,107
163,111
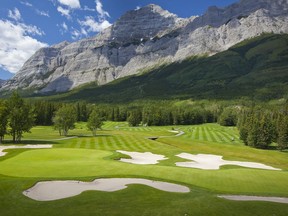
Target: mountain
254,69
147,38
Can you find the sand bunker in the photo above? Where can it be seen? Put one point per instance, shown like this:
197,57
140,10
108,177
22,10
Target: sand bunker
24,146
54,190
142,158
213,162
179,133
254,198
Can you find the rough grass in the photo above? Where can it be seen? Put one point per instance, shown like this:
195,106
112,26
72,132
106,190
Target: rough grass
87,158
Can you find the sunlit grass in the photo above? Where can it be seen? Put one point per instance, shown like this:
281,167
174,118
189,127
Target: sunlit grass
84,157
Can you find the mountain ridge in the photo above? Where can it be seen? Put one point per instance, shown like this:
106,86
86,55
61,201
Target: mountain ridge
255,69
166,38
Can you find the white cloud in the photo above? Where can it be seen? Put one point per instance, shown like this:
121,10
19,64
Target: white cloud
42,13
70,3
84,32
92,25
30,29
86,8
102,13
64,12
16,46
26,3
39,12
14,14
63,28
76,34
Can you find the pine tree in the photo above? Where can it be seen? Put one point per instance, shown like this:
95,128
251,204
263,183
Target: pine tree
266,132
134,118
3,121
282,129
244,124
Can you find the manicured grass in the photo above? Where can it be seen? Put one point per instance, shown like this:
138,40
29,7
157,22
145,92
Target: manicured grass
86,158
83,163
135,200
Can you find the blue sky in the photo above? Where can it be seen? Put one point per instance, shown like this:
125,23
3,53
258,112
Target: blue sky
27,25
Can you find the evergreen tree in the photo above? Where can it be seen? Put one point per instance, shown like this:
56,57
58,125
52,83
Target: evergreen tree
94,122
253,133
64,119
282,129
260,130
244,123
266,132
44,112
256,128
117,114
3,121
134,118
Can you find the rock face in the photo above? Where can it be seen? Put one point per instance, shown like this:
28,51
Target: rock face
143,38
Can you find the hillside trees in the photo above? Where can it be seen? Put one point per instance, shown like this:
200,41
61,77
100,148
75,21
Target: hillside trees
152,116
64,119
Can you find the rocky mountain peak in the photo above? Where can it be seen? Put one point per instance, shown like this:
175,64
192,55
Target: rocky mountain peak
216,17
142,23
156,9
61,45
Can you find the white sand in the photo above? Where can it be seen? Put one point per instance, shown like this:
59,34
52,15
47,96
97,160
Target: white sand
2,147
213,162
141,158
255,198
178,133
54,190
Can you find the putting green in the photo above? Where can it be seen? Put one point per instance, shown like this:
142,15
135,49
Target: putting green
68,163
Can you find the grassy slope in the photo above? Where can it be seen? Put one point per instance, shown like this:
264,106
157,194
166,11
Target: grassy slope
87,158
255,68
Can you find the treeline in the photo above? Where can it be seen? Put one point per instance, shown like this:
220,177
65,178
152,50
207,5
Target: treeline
259,126
149,114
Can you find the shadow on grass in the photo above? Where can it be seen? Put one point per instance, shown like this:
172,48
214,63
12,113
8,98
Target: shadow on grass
33,142
97,136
